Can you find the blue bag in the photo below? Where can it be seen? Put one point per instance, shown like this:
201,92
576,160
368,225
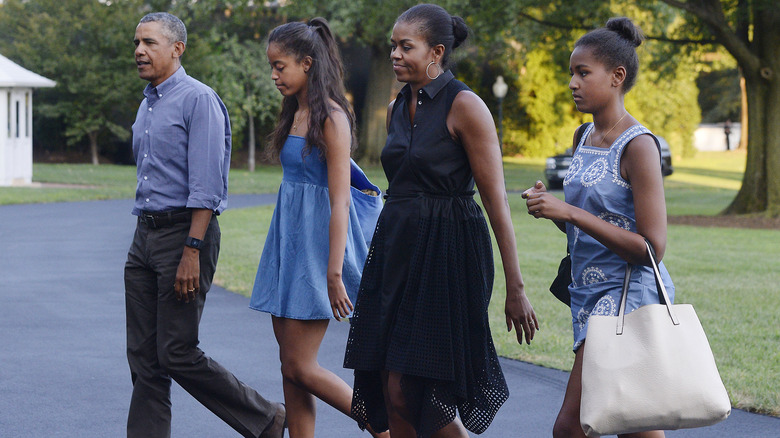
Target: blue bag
368,206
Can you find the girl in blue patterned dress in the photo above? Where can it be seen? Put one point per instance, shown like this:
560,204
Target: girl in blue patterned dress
314,252
614,198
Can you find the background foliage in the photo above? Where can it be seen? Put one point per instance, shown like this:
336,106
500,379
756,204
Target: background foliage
86,46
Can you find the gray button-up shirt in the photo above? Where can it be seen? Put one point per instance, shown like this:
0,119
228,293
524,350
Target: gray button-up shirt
181,145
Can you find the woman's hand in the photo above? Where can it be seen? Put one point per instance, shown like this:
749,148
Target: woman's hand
520,313
340,303
542,204
470,122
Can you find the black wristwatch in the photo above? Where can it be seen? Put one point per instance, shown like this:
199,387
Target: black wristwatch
193,242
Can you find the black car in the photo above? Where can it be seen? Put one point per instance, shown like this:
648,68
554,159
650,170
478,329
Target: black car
556,167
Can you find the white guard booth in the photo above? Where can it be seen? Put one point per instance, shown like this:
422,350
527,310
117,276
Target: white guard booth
16,85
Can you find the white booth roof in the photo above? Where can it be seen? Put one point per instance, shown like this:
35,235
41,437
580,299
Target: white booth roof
14,75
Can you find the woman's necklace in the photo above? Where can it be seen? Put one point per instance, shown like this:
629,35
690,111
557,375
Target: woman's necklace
604,137
295,120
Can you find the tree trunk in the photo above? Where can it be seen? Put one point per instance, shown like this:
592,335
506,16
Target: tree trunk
759,60
743,116
760,191
251,160
382,89
93,146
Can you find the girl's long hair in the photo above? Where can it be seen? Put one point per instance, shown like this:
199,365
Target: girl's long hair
325,82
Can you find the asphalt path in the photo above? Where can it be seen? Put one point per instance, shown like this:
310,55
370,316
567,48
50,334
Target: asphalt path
63,370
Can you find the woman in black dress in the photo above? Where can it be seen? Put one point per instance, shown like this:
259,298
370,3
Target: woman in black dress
420,343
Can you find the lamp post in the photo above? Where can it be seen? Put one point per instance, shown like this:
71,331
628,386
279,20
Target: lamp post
499,90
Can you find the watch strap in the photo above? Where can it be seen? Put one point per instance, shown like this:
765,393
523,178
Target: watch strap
193,242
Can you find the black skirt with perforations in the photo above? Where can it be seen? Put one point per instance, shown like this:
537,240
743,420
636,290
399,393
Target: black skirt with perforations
421,312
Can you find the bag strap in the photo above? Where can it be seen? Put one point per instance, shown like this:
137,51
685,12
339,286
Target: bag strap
662,295
660,283
578,134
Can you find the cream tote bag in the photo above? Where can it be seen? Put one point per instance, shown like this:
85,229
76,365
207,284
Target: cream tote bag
652,369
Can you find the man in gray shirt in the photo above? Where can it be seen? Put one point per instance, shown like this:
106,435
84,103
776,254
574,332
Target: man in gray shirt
181,144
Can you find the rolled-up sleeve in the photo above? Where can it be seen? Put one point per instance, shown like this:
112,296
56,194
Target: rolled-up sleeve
208,149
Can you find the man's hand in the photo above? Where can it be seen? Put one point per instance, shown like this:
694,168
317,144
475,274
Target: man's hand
188,275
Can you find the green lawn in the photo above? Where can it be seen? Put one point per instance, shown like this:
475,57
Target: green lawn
85,182
706,184
724,272
73,182
704,263
730,275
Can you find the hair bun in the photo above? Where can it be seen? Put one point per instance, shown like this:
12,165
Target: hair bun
459,30
626,29
317,22
321,26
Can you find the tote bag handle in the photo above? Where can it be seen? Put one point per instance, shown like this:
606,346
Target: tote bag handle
662,295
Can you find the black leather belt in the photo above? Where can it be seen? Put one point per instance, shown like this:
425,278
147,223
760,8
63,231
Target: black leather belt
160,219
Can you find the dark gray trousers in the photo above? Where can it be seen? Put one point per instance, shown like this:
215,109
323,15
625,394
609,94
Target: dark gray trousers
162,339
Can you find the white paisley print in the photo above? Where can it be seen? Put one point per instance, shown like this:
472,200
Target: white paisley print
574,167
605,306
593,274
617,220
595,172
582,318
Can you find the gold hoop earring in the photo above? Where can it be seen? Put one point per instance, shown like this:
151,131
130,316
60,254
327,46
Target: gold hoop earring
429,66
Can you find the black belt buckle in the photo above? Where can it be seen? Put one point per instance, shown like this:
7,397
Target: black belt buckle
149,220
164,218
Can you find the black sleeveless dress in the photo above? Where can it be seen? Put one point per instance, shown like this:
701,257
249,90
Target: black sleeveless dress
422,305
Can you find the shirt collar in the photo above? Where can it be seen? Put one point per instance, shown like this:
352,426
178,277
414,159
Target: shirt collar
166,86
433,87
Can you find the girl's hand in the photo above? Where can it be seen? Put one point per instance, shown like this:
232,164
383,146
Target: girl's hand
539,187
520,313
542,204
340,303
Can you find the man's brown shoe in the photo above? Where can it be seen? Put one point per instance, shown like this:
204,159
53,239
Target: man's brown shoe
276,428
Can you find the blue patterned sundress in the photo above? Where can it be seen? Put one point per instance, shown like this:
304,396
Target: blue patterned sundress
595,185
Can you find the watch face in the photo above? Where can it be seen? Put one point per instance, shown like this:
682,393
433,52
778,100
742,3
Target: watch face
193,242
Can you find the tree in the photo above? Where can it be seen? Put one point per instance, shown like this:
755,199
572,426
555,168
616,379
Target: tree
237,72
548,119
539,114
720,98
533,43
750,31
86,47
227,52
370,23
667,100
